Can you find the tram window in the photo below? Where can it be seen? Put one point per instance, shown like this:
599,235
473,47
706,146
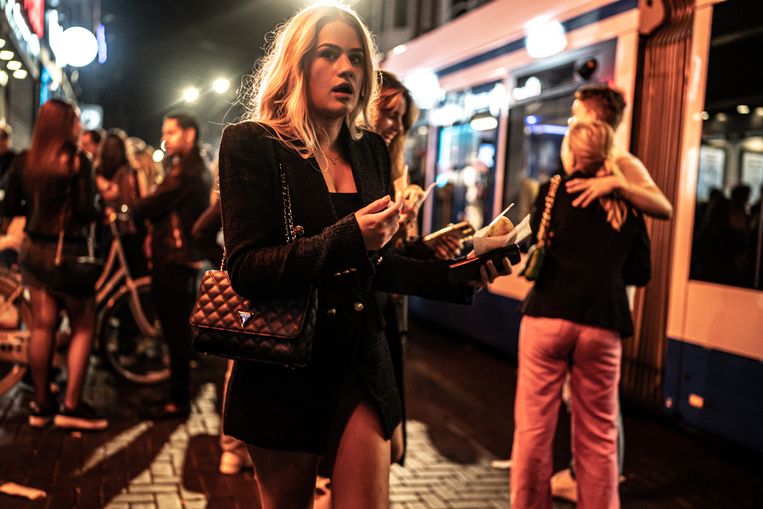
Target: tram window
536,130
465,175
727,240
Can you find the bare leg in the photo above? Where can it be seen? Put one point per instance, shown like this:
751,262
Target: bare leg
82,318
361,471
285,479
41,347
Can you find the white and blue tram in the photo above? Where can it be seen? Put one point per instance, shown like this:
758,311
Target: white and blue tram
495,86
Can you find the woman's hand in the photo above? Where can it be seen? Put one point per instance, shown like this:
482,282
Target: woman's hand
488,273
378,222
591,189
109,190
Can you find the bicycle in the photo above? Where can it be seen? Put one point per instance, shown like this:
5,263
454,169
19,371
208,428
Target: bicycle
127,331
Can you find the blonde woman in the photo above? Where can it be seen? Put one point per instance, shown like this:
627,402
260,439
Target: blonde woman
574,318
312,88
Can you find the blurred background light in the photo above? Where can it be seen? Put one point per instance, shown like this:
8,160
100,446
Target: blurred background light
80,46
158,156
545,37
191,94
221,85
20,74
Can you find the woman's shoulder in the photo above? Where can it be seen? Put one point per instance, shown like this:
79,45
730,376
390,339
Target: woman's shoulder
249,130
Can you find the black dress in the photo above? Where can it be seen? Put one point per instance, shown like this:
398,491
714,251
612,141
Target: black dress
300,409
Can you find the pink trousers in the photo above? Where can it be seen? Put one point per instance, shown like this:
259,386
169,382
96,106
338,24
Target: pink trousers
548,348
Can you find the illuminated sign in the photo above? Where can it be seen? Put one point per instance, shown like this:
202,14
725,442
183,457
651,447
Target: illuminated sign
55,35
35,13
20,27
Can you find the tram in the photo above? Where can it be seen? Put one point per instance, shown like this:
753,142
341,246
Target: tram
495,88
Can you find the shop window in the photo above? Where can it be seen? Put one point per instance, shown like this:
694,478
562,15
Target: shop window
727,240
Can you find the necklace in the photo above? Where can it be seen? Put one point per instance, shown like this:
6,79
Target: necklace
332,159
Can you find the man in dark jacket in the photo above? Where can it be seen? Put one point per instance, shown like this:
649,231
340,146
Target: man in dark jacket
172,209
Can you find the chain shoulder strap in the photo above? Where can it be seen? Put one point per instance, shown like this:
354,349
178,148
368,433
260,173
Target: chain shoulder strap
546,218
288,220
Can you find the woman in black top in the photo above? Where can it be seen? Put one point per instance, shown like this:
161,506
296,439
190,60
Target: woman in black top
313,86
53,186
573,320
117,182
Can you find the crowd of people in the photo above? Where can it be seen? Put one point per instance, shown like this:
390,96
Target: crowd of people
324,120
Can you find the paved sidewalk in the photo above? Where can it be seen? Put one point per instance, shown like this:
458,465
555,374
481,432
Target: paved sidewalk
459,401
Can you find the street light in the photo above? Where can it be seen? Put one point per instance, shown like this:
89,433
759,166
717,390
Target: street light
79,45
191,94
221,85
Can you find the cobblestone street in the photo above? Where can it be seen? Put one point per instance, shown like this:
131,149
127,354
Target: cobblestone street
460,401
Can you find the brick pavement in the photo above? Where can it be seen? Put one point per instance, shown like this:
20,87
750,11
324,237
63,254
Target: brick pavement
165,466
459,404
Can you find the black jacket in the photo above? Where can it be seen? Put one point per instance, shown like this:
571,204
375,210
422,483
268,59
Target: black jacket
287,409
582,276
50,199
173,209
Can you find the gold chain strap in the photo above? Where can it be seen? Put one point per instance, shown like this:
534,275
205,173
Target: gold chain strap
546,218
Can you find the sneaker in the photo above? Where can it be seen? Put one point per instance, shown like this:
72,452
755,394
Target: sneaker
40,416
82,418
564,486
232,464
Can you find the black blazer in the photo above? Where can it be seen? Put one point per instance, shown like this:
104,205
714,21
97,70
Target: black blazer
582,276
294,409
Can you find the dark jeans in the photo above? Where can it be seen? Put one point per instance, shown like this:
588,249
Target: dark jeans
173,289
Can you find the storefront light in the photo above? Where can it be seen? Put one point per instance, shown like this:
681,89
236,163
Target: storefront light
3,78
14,65
759,111
6,54
2,42
743,109
20,74
721,117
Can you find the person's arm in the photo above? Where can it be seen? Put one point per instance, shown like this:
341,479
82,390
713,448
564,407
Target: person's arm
633,183
87,206
204,233
250,195
15,234
166,198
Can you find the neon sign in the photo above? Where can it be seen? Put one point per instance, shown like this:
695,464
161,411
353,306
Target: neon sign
35,13
20,27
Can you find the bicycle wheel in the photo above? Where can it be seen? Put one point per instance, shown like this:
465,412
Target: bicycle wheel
15,317
135,351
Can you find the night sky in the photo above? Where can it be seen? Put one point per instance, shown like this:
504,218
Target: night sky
158,47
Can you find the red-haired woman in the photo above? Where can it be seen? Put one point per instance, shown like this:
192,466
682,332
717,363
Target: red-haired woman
53,186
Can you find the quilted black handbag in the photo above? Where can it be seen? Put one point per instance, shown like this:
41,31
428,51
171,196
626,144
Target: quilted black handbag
269,330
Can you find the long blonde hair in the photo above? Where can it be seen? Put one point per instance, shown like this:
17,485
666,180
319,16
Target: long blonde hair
279,91
591,145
